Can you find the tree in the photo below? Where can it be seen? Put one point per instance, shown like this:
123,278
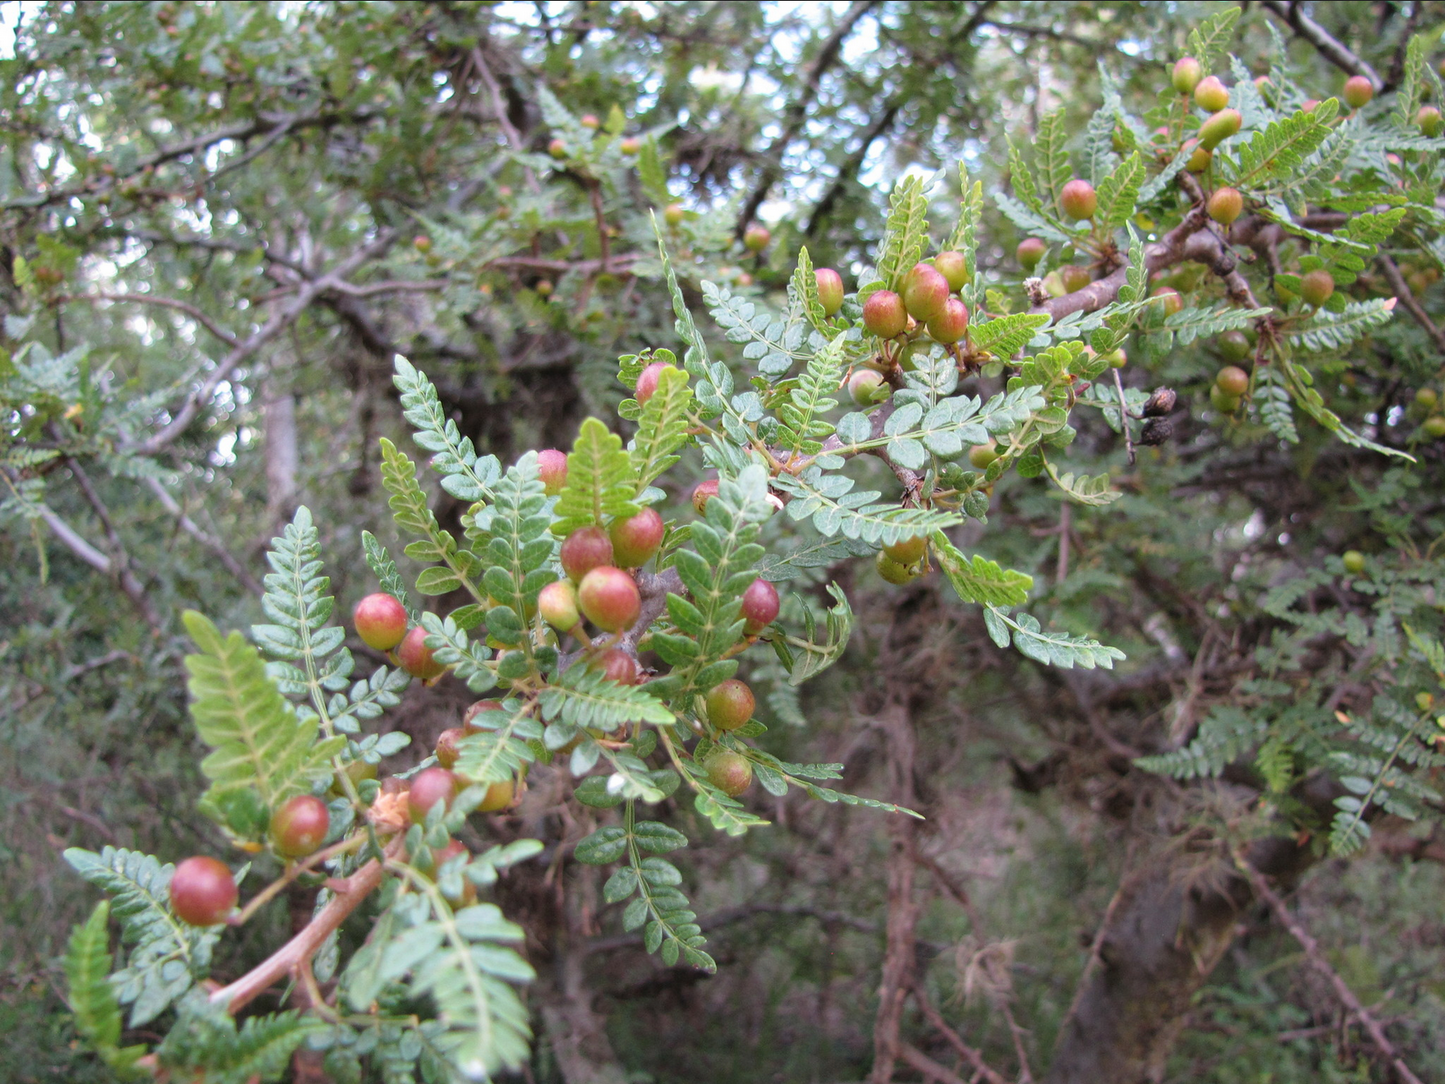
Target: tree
1307,707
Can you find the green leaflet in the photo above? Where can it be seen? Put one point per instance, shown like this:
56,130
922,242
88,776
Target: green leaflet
1276,152
980,580
661,428
803,428
600,481
1050,648
906,232
92,1000
1119,192
804,656
465,475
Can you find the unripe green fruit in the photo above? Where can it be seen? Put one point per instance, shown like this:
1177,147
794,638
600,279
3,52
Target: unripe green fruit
1222,401
950,325
629,146
1030,251
1426,398
907,551
1054,284
544,287
925,291
728,771
1358,91
422,243
380,621
1211,95
730,705
673,214
884,314
589,120
416,658
552,470
756,238
1116,358
982,456
499,797
446,747
299,827
1316,287
1074,277
867,386
617,665
1078,199
1186,75
586,548
609,598
953,266
702,493
760,605
557,149
203,891
1226,205
428,787
1434,426
1172,302
1200,158
830,289
1354,562
1428,120
891,571
647,381
1219,127
1234,345
636,540
557,603
1232,380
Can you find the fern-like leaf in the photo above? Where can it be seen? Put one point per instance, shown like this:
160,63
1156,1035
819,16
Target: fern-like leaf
92,999
980,580
1050,648
1225,735
1119,193
906,231
805,655
465,475
661,428
1274,154
600,481
803,429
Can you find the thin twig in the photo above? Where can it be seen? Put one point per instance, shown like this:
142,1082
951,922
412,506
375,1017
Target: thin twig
936,1021
1292,15
1124,417
1391,270
164,302
210,541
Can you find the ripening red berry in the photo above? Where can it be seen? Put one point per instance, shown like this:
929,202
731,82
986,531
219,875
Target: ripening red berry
1316,287
557,603
552,469
728,771
830,289
1030,251
953,266
704,492
1078,199
1358,91
1226,205
203,891
925,291
1211,95
884,314
380,621
1172,302
589,120
416,658
422,243
557,149
756,238
636,540
299,827
951,324
760,605
1219,127
609,598
1232,380
647,381
1186,75
446,747
617,665
586,548
428,787
730,705
866,387
630,146
469,727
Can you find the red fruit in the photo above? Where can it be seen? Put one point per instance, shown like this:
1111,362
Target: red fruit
925,291
1219,127
557,603
756,238
380,621
953,266
1211,95
648,379
203,892
557,149
1316,287
428,787
586,548
617,665
468,727
884,314
704,492
830,289
728,771
1225,205
1172,301
951,324
629,146
552,469
589,120
1030,251
609,598
1358,91
1078,199
446,749
299,827
730,705
866,386
416,658
636,540
1186,74
1074,277
908,551
1309,105
760,605
1232,381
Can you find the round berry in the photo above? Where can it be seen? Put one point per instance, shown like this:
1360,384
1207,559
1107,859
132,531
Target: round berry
1222,401
416,658
1199,159
1225,205
1186,75
428,787
702,493
1316,287
299,827
1354,561
557,149
589,120
953,266
982,456
617,665
1434,426
544,287
950,325
830,289
728,771
446,747
1428,120
1426,398
380,621
1232,380
730,705
867,386
907,551
422,243
586,548
203,891
1116,358
552,469
1219,127
1030,251
648,379
499,797
1234,345
609,598
1078,199
1309,105
1358,91
760,605
673,214
1172,302
1211,95
884,314
892,571
629,146
1074,277
476,709
636,540
557,603
925,291
756,238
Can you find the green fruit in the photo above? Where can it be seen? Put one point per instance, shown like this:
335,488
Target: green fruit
1219,127
673,214
1199,160
1211,95
1234,345
1428,120
1186,75
203,891
1316,287
557,604
907,551
609,598
1172,302
830,289
416,658
557,149
629,146
1226,205
730,705
356,771
893,572
950,325
1434,426
1074,277
1358,91
635,540
1354,562
422,243
756,238
299,827
867,386
1232,381
1030,251
1426,398
1116,358
499,796
982,456
380,621
884,314
728,771
953,266
1078,199
1222,401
